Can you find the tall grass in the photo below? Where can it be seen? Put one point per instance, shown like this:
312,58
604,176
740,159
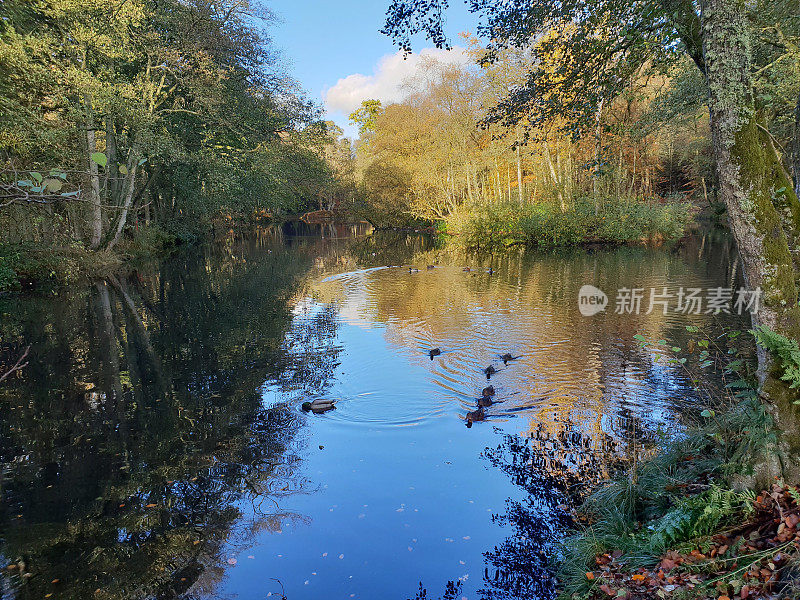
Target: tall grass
621,221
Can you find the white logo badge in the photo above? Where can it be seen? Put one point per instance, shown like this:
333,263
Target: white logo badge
591,300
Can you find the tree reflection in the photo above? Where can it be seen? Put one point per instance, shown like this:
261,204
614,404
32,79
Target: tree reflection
136,438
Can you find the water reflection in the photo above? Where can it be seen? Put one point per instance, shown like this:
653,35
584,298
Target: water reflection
154,446
137,433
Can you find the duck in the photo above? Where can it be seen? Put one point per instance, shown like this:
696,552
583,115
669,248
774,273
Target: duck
490,271
466,269
434,352
485,401
487,392
489,371
506,358
475,415
413,270
320,405
431,267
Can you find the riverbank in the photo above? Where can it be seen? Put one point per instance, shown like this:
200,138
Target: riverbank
694,520
29,265
624,221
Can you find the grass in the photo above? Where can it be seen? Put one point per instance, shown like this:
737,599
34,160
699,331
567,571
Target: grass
690,489
620,221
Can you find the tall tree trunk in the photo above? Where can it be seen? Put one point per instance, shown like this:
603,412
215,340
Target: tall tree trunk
598,147
749,174
96,209
520,191
796,150
508,179
554,176
128,187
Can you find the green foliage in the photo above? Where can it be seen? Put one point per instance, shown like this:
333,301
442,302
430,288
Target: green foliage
181,108
687,489
698,516
8,276
365,116
785,351
545,225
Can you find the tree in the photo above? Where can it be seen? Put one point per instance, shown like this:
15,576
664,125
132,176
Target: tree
160,111
364,117
599,46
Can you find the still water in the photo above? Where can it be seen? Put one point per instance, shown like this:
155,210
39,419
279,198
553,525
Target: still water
155,446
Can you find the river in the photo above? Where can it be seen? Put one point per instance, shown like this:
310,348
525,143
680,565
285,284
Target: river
155,446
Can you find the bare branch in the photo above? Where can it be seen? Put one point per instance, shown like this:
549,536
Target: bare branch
18,366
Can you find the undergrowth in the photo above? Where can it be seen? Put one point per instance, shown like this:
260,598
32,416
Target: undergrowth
489,225
691,486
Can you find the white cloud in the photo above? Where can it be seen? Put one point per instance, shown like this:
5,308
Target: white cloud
386,83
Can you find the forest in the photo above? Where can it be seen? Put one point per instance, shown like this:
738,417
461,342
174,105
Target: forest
146,122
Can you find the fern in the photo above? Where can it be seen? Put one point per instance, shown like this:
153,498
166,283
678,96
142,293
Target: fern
698,516
784,350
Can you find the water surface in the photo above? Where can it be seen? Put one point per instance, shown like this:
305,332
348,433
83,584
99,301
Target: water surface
155,446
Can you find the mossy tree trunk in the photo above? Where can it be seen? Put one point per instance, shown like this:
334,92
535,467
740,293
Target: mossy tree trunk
760,200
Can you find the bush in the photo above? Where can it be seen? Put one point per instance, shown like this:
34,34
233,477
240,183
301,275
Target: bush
619,221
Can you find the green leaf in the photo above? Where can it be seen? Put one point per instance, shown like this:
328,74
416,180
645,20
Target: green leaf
123,169
69,194
707,413
676,349
692,329
100,158
53,185
36,176
639,337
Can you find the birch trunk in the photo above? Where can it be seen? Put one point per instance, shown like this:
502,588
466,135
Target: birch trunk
519,179
95,207
128,187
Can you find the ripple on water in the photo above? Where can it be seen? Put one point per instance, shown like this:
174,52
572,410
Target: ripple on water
568,364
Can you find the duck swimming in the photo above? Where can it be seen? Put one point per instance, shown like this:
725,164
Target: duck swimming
508,358
413,270
431,267
475,415
486,401
434,352
318,406
489,371
488,392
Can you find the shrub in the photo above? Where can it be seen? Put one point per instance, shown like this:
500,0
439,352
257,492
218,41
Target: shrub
620,221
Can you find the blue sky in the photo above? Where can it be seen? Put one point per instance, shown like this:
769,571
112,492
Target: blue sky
324,42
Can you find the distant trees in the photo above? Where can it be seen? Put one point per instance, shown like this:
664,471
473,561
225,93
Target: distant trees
449,152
